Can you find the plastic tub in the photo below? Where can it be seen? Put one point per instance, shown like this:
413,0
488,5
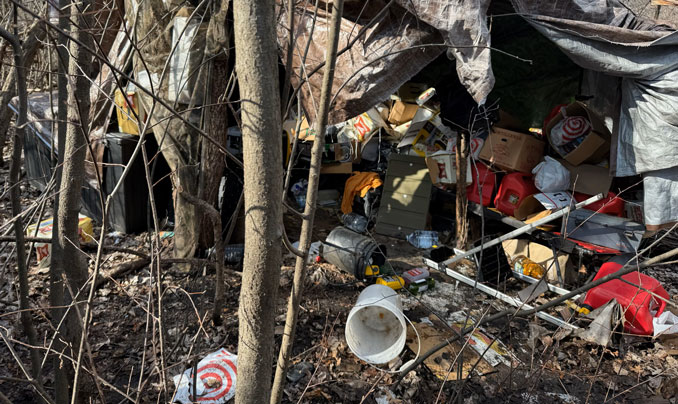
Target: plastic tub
376,328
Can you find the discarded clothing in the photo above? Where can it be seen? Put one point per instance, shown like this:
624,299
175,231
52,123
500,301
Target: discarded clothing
359,183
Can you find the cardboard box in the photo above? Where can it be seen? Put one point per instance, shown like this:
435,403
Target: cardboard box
588,179
126,121
409,92
43,251
512,151
543,256
595,147
442,168
337,168
402,112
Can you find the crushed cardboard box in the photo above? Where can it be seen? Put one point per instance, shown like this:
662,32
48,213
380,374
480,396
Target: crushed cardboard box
543,256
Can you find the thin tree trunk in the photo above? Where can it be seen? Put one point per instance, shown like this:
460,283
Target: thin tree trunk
211,159
14,173
309,210
56,276
208,211
33,41
461,157
73,169
256,66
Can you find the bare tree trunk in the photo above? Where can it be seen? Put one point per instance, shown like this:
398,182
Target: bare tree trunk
208,211
56,274
461,157
14,173
30,48
211,159
256,66
72,261
309,210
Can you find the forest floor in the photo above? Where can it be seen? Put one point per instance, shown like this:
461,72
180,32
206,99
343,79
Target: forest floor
540,363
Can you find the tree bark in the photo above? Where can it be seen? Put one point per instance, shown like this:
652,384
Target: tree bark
309,210
461,157
211,159
72,261
14,173
256,66
56,275
36,34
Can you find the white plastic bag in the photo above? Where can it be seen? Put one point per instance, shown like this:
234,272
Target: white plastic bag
551,176
215,380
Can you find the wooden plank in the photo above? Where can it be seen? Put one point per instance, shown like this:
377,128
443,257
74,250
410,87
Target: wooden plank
443,363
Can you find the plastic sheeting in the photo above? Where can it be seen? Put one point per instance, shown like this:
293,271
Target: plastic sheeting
392,50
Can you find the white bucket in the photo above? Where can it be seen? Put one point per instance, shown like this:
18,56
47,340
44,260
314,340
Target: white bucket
376,328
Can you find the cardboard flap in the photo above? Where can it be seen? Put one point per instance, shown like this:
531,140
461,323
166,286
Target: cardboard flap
588,179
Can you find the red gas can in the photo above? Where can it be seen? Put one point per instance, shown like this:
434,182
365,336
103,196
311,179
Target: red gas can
483,179
514,188
610,205
638,305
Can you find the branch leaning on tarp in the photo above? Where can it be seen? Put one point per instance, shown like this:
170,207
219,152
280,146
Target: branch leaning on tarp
626,269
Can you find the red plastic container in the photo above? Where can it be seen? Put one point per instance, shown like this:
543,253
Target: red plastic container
488,184
514,188
638,305
610,205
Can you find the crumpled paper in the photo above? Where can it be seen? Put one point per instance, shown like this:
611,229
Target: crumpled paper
215,382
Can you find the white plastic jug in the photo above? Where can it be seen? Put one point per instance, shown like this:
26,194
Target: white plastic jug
376,328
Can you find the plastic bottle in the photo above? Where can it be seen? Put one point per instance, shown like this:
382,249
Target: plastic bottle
299,192
355,222
526,266
423,238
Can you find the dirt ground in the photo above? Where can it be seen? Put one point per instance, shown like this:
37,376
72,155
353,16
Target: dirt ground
542,365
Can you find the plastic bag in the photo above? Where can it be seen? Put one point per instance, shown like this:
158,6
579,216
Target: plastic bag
551,176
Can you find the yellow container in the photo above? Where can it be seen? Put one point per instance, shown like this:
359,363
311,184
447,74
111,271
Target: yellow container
394,282
126,121
372,270
526,266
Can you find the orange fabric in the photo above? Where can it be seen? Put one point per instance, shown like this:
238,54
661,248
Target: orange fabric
358,183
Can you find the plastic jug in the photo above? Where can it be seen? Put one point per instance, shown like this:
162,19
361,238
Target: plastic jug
637,304
514,188
610,205
485,179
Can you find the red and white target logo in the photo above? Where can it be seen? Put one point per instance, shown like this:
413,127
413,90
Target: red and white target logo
216,376
569,129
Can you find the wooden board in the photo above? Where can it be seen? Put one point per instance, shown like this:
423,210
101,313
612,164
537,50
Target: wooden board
442,363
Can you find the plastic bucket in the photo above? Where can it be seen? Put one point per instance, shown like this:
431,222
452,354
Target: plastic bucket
349,251
376,328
